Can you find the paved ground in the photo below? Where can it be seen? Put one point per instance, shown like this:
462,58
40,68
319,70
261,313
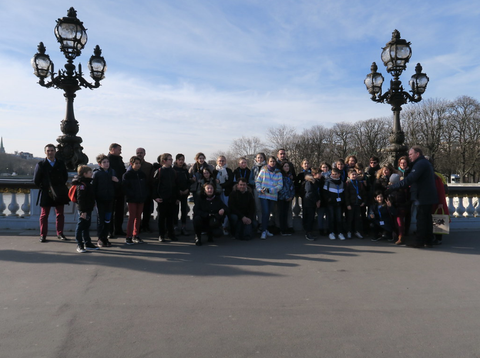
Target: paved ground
283,297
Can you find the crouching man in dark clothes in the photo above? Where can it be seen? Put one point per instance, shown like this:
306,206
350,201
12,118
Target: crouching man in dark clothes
242,210
208,214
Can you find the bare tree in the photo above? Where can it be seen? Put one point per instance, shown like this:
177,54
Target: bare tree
464,120
425,124
281,137
342,140
370,137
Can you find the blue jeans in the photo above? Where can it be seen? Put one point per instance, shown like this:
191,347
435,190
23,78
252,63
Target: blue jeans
82,231
239,229
267,207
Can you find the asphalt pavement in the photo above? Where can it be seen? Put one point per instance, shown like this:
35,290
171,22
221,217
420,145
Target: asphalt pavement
280,297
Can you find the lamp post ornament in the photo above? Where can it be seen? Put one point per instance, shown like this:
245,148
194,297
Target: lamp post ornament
395,56
72,36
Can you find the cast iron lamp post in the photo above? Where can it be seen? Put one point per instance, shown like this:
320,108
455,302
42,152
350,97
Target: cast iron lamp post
395,56
72,36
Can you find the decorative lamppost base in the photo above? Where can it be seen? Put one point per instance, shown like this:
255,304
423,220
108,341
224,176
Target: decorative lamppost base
70,151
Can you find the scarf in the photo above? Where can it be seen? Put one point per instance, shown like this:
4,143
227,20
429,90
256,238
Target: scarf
222,174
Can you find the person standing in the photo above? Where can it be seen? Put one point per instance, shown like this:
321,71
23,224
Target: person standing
135,188
85,203
167,195
147,169
104,180
50,176
422,191
117,164
268,183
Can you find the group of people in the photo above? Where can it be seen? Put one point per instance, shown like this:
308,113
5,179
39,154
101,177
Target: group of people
345,199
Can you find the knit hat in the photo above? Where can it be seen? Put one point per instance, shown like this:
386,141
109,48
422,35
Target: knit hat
394,178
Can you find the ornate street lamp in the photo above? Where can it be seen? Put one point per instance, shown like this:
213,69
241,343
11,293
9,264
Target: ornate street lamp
395,56
72,36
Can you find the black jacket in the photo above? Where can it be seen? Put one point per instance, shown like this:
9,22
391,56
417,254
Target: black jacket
51,181
84,193
205,208
312,193
242,204
135,186
103,187
353,190
165,184
183,178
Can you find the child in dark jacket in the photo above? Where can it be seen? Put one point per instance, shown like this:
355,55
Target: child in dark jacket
310,203
381,215
135,188
333,194
103,187
355,198
85,203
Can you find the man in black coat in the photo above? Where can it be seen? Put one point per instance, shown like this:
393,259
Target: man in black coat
423,192
242,210
117,164
50,176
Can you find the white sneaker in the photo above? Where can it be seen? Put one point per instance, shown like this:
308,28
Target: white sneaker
269,233
264,235
357,234
341,237
349,235
332,236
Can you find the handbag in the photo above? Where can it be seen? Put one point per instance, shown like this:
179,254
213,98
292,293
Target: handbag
441,223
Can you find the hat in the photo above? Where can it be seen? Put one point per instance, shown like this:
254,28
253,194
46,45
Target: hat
394,178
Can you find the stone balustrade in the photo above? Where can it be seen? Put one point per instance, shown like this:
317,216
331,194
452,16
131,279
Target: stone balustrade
19,209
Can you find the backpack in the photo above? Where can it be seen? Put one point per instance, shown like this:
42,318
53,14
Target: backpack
72,193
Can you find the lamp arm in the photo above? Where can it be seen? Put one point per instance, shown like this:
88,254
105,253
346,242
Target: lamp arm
83,82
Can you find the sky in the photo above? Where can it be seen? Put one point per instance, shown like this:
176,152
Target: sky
188,76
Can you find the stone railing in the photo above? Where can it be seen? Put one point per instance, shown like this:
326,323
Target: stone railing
19,209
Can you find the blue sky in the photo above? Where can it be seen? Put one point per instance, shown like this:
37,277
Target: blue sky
188,76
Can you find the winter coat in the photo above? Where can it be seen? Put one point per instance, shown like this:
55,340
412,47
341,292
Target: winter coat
195,171
241,173
288,189
84,193
354,190
272,182
206,207
300,182
165,185
183,177
51,181
421,181
333,192
242,204
218,189
135,186
312,193
103,186
383,213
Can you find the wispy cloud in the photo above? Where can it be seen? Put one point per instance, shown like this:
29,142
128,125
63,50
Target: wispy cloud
185,76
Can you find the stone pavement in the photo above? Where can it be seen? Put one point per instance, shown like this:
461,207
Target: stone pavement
282,297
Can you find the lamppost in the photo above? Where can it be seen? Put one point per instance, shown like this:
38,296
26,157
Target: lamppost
72,36
395,56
